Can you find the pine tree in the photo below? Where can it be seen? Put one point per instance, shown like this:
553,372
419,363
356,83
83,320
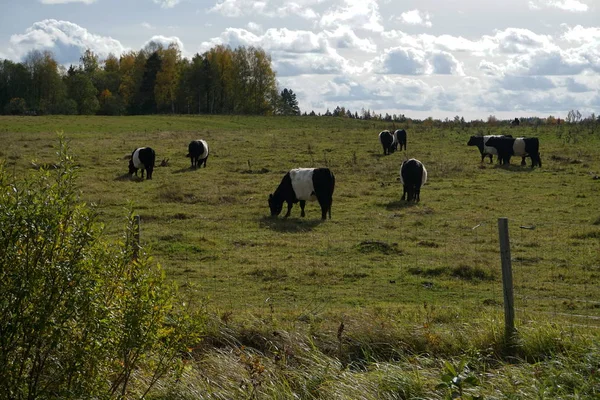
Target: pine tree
289,104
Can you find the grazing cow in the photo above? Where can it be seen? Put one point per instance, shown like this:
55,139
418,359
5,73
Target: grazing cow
413,175
142,158
399,139
484,149
301,185
387,141
198,153
520,147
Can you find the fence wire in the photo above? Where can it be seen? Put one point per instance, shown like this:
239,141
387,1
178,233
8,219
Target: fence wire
268,265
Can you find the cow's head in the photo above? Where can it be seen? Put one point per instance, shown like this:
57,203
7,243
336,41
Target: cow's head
275,206
474,140
132,168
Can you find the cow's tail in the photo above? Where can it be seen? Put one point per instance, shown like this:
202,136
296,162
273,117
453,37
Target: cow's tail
331,192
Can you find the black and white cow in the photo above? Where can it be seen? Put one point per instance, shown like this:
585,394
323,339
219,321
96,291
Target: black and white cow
198,153
400,139
484,149
520,147
387,141
413,175
302,185
142,158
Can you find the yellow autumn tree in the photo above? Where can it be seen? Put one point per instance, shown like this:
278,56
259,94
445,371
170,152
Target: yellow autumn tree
165,88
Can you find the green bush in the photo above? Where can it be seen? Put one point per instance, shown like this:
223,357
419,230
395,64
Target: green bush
17,106
81,317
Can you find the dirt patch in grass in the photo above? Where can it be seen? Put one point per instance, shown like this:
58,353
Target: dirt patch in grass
428,243
268,274
376,246
587,235
255,171
463,272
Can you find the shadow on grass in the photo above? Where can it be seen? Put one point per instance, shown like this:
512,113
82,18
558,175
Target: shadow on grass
126,177
289,225
183,170
515,167
400,204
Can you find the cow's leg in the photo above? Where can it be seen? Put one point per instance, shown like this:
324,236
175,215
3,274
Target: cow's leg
302,204
403,193
325,203
143,169
204,162
491,158
289,210
523,161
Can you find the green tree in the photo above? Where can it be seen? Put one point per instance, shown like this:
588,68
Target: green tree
79,314
145,96
290,103
165,89
15,82
48,92
17,106
82,91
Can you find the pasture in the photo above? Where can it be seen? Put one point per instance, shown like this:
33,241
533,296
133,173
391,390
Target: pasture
210,227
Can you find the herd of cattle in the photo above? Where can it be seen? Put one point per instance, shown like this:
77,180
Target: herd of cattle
300,185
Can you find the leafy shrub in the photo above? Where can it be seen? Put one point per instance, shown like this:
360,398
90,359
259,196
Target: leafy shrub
81,317
16,106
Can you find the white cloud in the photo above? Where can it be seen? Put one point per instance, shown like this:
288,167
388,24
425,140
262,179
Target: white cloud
146,25
165,41
565,5
520,83
416,17
65,39
574,86
517,41
581,34
345,38
293,52
254,27
412,61
502,42
355,14
272,40
66,1
267,8
166,3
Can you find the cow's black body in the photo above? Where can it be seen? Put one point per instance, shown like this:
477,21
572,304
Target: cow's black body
400,139
413,175
144,161
484,149
521,147
387,141
198,153
323,182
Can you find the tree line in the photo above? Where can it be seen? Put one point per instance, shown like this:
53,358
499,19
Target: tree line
152,80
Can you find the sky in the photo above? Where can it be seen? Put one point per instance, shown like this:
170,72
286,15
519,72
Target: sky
422,58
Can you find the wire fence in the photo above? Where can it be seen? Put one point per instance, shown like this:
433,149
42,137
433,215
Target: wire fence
273,264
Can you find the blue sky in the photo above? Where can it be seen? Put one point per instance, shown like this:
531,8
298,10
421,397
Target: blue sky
419,58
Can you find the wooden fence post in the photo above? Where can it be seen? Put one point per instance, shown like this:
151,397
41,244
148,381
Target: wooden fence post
507,281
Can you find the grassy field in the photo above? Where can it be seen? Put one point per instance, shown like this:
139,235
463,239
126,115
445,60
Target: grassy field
378,260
